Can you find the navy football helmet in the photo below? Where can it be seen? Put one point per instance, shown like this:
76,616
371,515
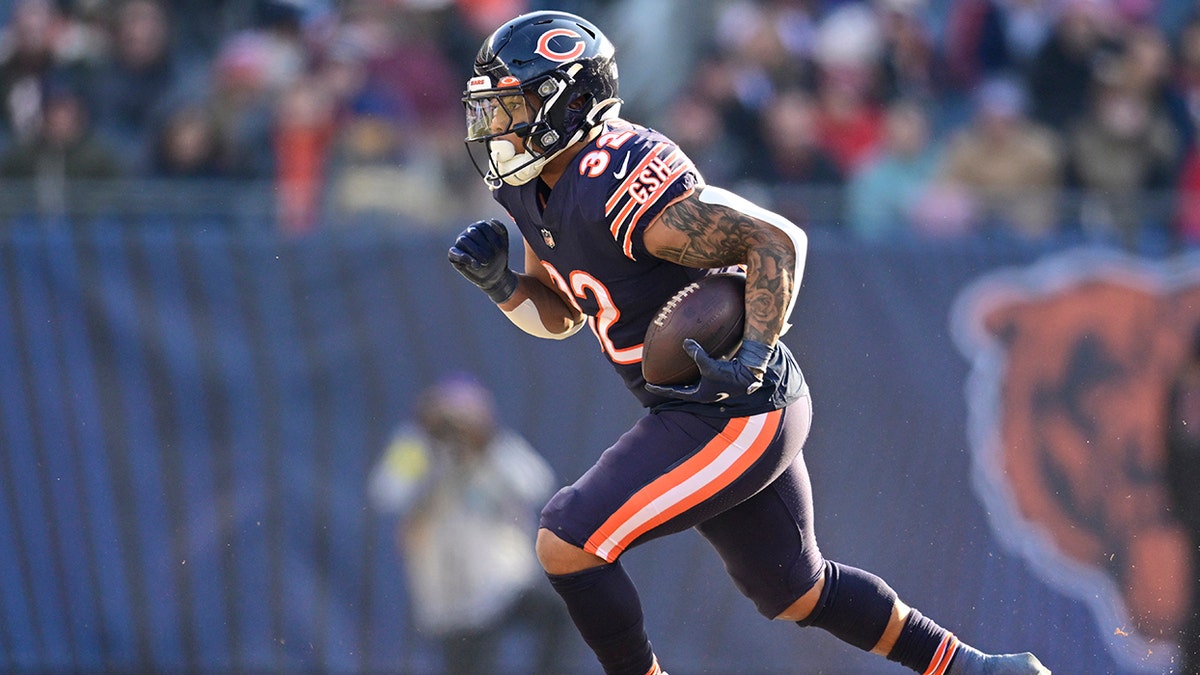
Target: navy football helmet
547,77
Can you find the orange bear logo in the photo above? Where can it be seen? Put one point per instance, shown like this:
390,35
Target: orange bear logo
1071,361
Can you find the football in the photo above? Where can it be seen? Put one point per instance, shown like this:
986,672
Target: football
712,311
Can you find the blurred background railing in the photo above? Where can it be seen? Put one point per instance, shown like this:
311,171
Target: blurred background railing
235,205
1079,217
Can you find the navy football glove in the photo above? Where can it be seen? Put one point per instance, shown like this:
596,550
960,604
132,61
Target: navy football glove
481,255
719,378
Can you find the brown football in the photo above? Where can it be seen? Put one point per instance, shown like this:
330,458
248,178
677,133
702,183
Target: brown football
712,311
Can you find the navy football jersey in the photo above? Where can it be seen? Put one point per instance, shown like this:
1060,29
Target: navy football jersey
588,232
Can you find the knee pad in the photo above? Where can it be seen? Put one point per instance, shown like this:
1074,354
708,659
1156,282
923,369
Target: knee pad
855,606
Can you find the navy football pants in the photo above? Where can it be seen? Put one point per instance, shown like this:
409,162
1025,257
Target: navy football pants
742,483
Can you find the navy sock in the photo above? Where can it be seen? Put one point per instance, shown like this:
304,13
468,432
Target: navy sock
855,605
604,605
923,645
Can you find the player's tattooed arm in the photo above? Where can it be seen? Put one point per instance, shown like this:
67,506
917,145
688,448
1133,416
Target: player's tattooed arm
698,234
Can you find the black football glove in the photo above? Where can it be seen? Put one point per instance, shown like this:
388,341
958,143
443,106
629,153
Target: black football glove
720,378
481,255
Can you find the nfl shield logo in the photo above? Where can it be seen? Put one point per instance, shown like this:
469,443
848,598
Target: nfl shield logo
548,237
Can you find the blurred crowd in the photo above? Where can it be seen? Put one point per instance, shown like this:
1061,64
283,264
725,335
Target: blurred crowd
354,104
885,119
1029,119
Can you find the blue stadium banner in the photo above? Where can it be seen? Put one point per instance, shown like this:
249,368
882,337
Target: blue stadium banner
188,417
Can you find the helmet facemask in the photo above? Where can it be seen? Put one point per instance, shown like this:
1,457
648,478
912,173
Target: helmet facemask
548,115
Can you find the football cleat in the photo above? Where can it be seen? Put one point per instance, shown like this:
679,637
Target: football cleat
1006,664
1014,664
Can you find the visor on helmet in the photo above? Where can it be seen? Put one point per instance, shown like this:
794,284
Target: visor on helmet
494,111
495,115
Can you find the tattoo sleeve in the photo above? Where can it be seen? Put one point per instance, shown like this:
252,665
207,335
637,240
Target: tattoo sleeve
705,235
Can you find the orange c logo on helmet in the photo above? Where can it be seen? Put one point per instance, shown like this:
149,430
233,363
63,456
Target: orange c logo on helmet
544,49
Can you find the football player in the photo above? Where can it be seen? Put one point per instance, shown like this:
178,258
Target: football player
615,219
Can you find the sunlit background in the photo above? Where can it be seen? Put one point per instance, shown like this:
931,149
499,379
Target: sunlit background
223,284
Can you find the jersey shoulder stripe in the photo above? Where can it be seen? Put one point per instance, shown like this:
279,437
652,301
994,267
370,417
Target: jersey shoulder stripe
657,166
626,199
623,189
631,221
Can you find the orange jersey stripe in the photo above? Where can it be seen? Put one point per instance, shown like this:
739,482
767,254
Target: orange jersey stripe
631,203
632,177
943,655
627,245
713,468
621,220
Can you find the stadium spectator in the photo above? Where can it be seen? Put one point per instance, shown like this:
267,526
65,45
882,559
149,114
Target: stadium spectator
695,122
279,28
664,35
1185,81
910,63
407,75
1182,476
882,195
771,44
186,146
303,132
35,50
63,155
241,100
797,155
849,122
849,55
717,80
1145,65
128,90
466,490
137,60
985,39
1122,156
1086,35
1185,86
799,173
379,172
1006,168
761,49
403,57
341,68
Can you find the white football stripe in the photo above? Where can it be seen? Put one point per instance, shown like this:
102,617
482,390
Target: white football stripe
735,450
